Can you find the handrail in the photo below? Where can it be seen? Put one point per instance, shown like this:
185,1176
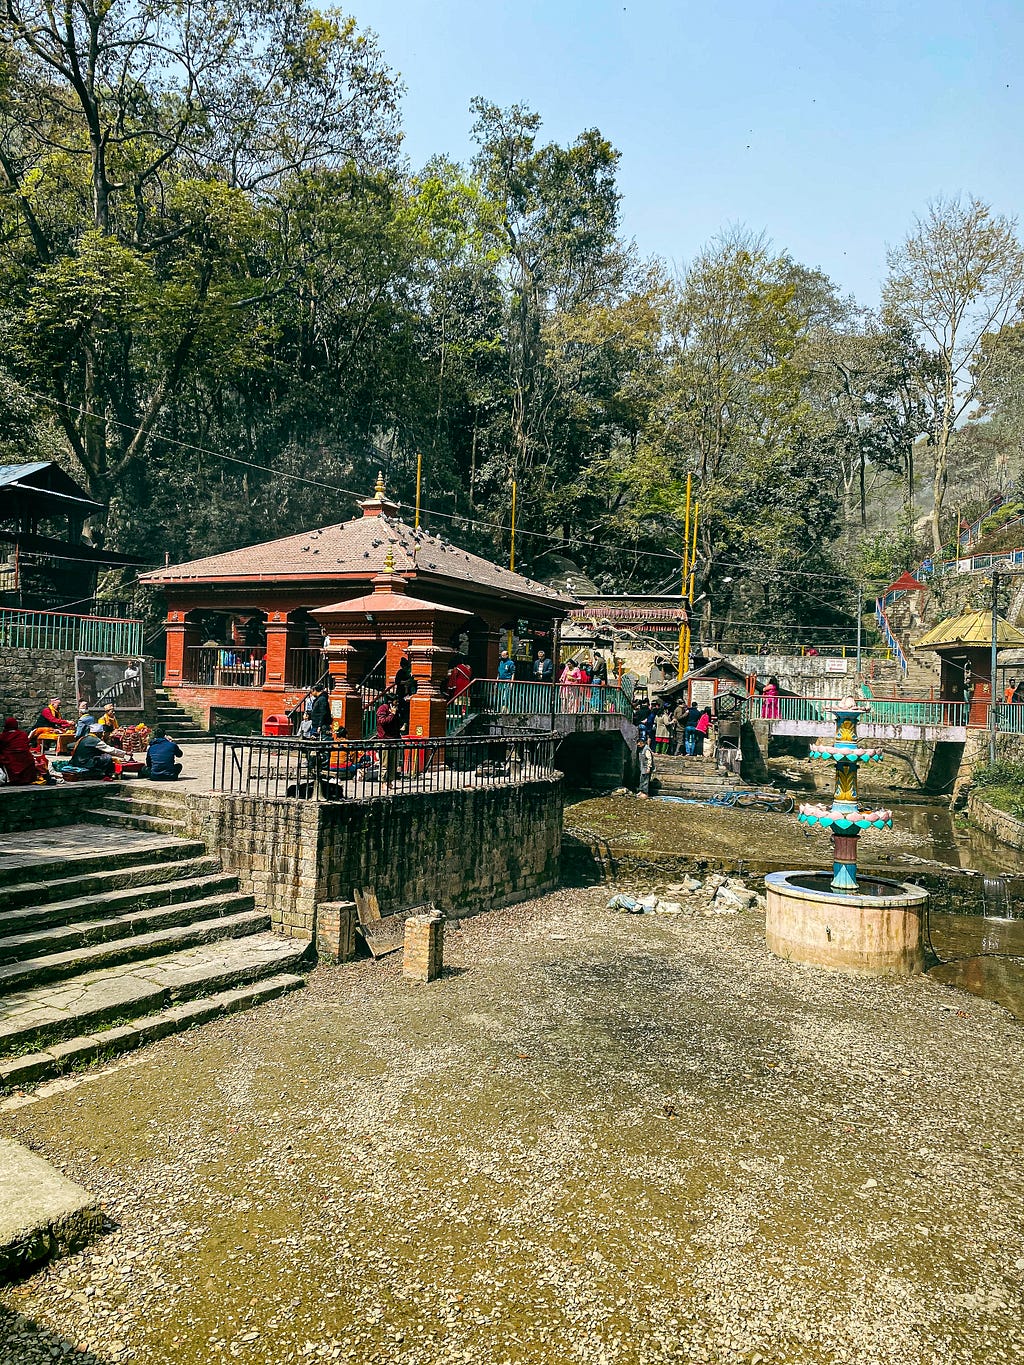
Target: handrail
56,630
888,636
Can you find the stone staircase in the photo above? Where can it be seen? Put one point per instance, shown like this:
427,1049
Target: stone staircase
111,938
146,807
696,778
176,720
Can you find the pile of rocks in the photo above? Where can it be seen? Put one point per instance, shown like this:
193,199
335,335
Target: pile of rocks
715,895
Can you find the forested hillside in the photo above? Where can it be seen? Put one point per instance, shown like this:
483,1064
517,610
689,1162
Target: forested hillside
226,300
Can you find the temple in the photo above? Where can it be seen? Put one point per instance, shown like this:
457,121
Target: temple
247,629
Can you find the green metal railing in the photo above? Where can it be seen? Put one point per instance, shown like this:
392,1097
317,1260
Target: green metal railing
1010,718
883,711
76,634
497,697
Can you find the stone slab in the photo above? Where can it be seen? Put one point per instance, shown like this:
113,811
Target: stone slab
42,1213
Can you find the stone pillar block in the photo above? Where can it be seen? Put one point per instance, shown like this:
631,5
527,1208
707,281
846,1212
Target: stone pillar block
336,931
424,947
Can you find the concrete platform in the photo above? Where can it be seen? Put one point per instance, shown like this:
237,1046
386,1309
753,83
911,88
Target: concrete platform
42,1213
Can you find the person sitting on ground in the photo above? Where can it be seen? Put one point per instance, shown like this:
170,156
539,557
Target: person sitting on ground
109,721
51,717
160,756
16,757
86,719
646,761
93,757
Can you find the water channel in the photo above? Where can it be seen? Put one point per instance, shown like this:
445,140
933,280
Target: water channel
976,923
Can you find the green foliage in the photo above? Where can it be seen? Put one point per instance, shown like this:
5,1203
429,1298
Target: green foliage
1003,784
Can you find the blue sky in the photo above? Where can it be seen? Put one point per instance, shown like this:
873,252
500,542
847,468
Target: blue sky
828,125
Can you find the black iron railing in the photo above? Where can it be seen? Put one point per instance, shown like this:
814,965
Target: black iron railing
361,770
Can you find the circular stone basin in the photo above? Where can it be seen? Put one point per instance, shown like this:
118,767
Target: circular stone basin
879,931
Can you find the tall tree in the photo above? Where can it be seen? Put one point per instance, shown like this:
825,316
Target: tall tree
145,147
958,276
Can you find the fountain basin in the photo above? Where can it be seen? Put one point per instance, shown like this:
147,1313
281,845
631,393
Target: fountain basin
876,931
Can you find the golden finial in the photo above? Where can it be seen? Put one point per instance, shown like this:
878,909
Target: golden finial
378,491
389,561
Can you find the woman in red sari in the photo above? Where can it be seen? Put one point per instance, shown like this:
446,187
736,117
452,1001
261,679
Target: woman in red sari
16,758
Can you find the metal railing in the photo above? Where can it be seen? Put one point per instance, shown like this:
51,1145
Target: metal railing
894,646
364,770
76,634
225,665
497,696
884,711
306,667
1010,718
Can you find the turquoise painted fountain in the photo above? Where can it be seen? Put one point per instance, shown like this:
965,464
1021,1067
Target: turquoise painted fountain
867,925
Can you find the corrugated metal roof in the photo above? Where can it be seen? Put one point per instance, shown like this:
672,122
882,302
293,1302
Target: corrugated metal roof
972,628
11,473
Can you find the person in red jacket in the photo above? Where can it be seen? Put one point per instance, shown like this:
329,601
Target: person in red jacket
51,718
16,758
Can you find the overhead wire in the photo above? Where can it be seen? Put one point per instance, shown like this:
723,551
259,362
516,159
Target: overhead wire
462,518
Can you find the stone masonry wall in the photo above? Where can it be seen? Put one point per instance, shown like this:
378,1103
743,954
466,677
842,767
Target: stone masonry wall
464,851
30,677
999,823
44,807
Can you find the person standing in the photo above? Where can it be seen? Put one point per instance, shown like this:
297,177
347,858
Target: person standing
543,668
646,761
506,676
770,699
599,672
662,733
679,715
690,728
320,714
389,732
1009,690
702,727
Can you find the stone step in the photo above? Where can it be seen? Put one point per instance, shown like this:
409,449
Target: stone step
90,1047
31,916
158,849
147,800
34,971
157,824
42,1016
39,894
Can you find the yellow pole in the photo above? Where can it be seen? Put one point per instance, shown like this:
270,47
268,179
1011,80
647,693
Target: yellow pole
512,551
693,573
419,476
683,642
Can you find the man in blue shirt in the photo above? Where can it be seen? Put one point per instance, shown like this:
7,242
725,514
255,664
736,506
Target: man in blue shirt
506,672
160,756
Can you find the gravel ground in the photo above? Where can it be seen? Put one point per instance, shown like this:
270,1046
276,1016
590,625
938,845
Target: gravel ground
601,1138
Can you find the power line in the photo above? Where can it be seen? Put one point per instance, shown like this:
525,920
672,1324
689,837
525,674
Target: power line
462,518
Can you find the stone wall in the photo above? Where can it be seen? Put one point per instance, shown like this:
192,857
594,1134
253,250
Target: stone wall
463,851
45,807
999,823
30,677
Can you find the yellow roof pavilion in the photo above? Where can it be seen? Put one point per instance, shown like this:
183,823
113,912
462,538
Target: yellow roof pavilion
972,629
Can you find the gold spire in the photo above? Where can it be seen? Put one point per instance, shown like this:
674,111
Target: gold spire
378,491
389,559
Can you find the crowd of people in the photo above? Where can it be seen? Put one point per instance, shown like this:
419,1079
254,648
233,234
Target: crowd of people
93,747
674,727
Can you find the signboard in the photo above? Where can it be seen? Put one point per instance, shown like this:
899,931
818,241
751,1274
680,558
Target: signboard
837,665
102,681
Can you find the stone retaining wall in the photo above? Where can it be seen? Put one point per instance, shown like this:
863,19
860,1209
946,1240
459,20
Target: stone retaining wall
999,823
464,851
44,807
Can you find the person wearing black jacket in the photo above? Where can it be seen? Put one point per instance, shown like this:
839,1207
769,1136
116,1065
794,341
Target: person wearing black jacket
320,714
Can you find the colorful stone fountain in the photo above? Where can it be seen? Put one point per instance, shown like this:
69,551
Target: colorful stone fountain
844,819
871,926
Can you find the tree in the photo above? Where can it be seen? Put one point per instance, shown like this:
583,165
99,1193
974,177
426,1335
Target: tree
958,276
148,151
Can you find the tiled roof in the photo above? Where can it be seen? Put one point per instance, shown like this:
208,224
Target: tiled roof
357,547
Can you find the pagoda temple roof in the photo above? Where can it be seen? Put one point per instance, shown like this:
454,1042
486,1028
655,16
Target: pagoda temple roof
973,629
353,551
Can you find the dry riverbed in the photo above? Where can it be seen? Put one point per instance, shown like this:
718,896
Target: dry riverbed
601,1138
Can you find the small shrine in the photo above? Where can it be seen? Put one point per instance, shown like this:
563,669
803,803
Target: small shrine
964,646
